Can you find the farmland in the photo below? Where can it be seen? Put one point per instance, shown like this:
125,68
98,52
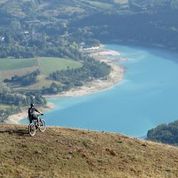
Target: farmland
13,64
46,65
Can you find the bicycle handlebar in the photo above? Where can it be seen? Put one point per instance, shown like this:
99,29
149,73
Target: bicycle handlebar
40,114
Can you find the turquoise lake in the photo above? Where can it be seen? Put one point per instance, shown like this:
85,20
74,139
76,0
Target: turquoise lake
146,97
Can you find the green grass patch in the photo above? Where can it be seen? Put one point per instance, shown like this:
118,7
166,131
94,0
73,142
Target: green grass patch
4,106
48,65
11,64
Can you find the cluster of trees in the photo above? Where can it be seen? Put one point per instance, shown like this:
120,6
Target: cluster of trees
4,113
132,28
13,98
24,80
70,78
53,89
16,100
90,70
165,133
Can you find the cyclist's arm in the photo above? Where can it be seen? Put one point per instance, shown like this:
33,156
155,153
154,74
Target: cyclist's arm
38,111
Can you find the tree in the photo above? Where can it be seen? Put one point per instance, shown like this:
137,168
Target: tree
166,133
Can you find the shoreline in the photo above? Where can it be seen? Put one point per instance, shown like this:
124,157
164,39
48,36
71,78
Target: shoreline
115,77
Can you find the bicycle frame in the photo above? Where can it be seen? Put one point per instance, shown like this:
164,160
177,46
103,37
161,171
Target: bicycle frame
38,123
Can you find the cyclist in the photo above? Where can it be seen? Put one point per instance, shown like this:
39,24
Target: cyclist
32,113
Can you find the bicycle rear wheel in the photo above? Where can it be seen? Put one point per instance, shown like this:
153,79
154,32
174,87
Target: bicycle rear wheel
32,129
42,125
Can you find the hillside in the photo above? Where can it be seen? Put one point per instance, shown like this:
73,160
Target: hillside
165,133
73,153
32,28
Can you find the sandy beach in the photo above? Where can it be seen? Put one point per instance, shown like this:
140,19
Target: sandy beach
115,76
16,118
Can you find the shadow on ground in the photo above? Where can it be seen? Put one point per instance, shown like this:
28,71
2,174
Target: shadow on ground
17,131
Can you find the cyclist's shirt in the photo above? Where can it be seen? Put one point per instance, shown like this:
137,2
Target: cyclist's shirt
31,112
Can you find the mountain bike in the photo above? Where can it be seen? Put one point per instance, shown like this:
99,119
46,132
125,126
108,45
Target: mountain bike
36,124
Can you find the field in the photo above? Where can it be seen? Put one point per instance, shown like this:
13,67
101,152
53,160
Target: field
14,64
46,65
4,106
69,153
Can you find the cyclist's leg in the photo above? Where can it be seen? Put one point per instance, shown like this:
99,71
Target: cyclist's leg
35,117
30,120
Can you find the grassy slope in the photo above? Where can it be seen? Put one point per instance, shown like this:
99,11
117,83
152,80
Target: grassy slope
73,153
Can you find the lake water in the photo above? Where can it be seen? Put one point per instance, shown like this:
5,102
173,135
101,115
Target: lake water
146,97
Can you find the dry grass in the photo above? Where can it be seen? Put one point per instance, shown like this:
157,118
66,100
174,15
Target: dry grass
73,153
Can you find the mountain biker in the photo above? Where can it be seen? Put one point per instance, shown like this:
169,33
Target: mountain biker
32,113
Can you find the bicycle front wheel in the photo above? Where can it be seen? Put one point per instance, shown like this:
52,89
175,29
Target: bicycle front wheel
42,125
32,129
